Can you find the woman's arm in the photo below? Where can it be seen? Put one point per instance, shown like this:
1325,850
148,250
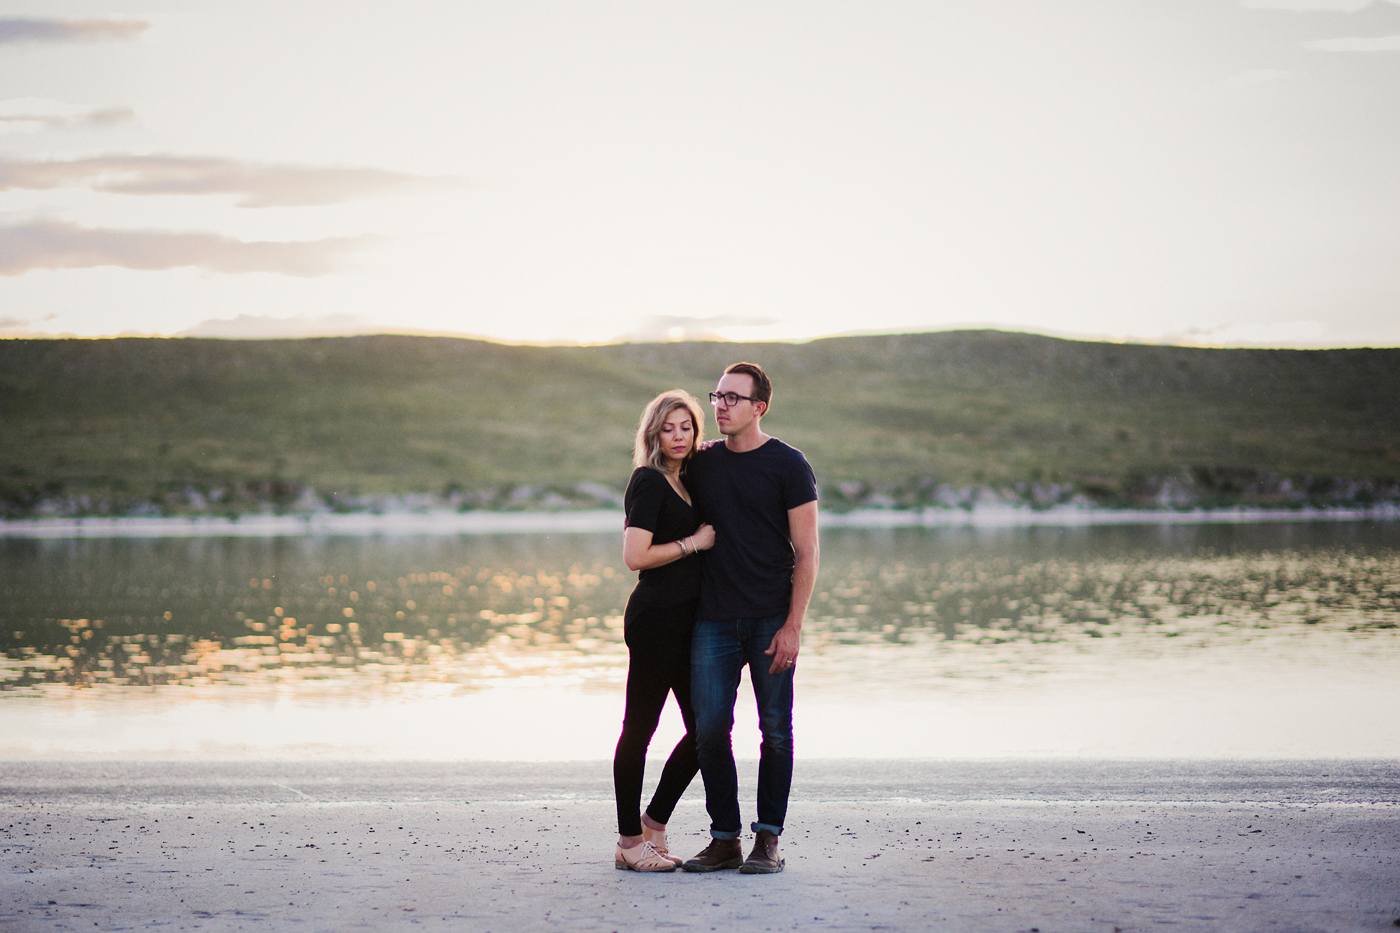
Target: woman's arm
638,553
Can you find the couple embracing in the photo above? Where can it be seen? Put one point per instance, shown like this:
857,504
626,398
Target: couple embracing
725,537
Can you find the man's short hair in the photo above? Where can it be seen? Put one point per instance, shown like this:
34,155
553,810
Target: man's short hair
762,385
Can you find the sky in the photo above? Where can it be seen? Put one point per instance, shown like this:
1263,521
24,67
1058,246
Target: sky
1215,172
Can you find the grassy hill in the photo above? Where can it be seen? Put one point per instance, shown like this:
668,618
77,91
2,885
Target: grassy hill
103,426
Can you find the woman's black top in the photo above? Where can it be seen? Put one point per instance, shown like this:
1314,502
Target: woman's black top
654,506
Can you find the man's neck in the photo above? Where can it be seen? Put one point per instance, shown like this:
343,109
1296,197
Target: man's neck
751,438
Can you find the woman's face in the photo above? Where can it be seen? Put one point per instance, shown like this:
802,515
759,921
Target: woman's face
677,436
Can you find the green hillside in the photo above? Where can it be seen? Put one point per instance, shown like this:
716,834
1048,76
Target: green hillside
104,426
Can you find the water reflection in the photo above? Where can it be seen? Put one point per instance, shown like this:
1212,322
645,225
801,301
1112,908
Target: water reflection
248,612
993,600
895,610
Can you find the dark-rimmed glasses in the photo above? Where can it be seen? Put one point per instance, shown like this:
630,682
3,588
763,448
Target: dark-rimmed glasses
730,399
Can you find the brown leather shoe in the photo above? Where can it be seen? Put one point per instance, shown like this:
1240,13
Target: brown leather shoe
717,856
764,859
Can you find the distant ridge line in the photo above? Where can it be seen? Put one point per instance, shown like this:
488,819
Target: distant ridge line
933,420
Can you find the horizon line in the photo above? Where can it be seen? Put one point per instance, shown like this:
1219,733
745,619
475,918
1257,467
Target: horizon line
624,340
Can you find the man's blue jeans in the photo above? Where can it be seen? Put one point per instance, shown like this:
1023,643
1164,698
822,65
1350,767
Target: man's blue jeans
719,651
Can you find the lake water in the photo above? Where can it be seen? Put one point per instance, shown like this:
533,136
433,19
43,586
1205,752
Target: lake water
1252,641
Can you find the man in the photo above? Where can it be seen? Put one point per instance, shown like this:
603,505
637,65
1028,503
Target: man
756,582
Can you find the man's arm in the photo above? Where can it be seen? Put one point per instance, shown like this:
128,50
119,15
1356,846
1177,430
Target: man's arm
802,526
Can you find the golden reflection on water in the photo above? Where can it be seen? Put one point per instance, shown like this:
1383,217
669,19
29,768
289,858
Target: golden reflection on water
465,625
893,625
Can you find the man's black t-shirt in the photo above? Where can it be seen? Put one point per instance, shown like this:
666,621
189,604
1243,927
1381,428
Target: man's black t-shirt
653,505
746,496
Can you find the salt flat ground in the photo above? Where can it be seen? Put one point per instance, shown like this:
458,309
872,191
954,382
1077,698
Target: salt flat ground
871,845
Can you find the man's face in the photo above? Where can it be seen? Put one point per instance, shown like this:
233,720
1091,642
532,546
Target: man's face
733,419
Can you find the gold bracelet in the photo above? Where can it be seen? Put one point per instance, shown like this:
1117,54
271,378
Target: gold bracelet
681,542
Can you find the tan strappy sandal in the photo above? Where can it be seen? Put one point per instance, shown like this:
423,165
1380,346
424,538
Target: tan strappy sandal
657,838
642,857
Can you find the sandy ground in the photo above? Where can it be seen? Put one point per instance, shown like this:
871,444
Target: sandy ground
1011,846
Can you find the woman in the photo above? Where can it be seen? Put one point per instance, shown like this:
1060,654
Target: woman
661,538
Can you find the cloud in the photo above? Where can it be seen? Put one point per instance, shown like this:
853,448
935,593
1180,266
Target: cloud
256,184
32,114
54,244
663,327
1350,44
264,326
267,327
1255,333
12,327
10,321
1358,44
1304,6
66,30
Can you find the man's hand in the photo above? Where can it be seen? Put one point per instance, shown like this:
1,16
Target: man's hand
802,525
784,648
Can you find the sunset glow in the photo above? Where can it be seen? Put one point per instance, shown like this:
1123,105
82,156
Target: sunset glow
1206,172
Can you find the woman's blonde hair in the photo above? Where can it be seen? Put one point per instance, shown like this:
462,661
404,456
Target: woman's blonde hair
646,449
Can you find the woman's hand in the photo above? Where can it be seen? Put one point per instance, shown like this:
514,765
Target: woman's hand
704,537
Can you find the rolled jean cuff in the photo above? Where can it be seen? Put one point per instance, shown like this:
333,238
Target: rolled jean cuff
724,834
756,827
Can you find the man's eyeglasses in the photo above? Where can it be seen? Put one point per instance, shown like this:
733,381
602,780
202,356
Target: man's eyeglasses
730,399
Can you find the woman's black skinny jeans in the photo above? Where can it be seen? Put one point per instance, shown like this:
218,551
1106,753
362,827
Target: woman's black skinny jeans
658,646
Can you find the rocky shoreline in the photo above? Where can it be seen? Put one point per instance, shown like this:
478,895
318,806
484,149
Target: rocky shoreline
600,520
1188,491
